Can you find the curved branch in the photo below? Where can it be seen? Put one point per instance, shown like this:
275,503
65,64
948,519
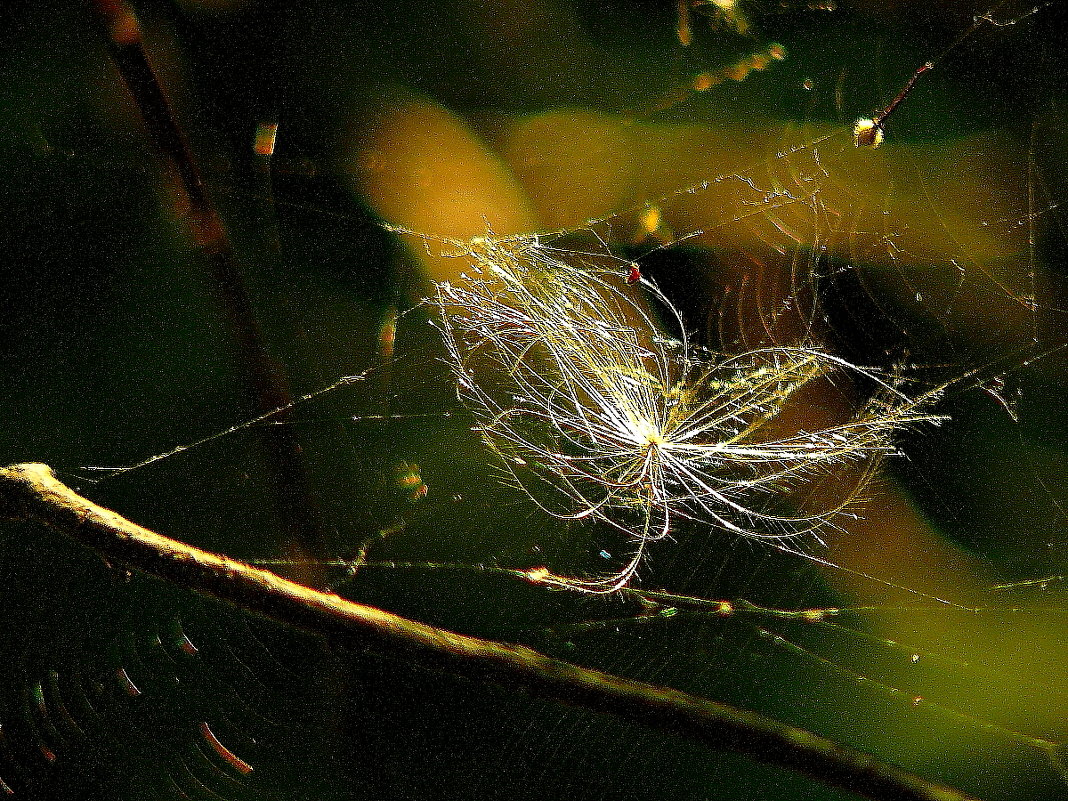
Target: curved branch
31,492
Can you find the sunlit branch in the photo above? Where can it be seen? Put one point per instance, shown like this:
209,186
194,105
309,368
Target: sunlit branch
31,493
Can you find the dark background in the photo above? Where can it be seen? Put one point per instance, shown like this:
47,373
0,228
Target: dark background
115,346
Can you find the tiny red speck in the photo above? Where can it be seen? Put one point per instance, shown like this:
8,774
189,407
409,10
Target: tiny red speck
634,275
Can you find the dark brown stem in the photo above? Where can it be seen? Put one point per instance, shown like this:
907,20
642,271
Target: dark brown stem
30,492
264,380
880,118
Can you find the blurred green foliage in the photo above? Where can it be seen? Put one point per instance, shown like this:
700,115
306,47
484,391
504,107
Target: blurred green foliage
115,347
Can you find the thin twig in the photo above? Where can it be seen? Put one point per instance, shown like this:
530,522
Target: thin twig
264,380
30,492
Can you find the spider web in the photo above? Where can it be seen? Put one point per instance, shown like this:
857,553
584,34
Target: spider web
927,631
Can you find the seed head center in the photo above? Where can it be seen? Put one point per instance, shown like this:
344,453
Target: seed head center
649,435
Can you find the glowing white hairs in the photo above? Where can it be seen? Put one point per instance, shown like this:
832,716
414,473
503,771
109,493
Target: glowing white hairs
571,379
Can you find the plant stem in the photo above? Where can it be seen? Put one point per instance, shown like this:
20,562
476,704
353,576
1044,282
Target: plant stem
264,381
31,492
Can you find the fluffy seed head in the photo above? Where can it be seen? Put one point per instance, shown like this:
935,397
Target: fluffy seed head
572,380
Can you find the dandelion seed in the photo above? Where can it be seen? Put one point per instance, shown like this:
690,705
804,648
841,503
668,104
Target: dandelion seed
571,380
870,131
